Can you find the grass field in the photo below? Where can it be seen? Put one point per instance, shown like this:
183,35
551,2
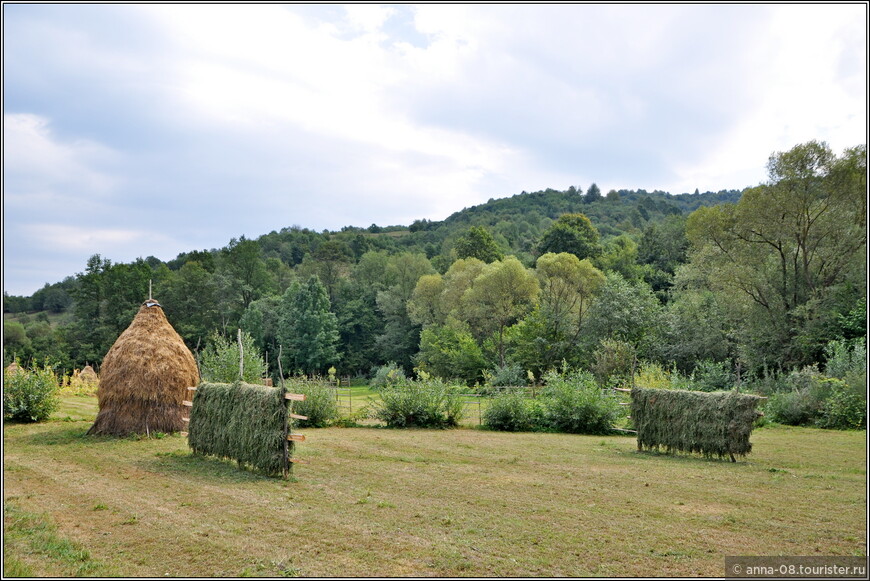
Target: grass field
380,502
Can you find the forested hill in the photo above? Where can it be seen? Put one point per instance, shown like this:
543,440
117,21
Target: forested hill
516,223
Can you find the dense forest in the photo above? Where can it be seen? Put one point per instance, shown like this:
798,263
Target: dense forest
759,281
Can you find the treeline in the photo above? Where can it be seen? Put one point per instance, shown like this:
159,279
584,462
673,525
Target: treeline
754,282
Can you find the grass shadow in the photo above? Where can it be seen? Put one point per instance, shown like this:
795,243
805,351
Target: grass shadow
65,434
207,468
689,458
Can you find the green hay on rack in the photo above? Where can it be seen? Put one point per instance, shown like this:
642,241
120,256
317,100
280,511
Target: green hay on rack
241,422
712,424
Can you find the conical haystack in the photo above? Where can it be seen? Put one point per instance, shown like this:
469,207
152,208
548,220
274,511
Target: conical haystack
89,375
144,378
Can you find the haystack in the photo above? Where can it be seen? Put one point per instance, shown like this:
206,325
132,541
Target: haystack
88,375
144,378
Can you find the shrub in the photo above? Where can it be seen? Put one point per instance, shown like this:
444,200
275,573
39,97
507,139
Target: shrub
803,404
713,376
794,408
574,403
220,360
506,375
319,406
389,375
29,396
845,408
845,357
424,404
613,358
653,375
513,412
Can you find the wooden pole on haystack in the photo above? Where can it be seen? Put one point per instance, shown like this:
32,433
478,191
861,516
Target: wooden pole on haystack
288,445
241,356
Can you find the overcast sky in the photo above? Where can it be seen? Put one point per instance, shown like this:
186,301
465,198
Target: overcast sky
137,130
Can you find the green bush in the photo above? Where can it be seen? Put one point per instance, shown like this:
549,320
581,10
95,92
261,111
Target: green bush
574,403
803,404
319,406
845,408
613,359
29,396
508,375
389,375
219,361
513,412
713,376
794,408
423,404
845,357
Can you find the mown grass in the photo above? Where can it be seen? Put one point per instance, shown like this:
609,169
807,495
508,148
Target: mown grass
463,502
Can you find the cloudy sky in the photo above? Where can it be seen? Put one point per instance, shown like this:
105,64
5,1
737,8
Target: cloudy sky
137,130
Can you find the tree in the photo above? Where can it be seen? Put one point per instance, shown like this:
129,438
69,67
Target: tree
663,247
572,233
450,351
500,296
308,330
189,298
593,194
478,243
775,255
244,269
625,312
401,335
330,262
620,255
568,286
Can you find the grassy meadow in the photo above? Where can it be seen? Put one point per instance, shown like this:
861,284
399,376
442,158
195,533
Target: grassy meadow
381,502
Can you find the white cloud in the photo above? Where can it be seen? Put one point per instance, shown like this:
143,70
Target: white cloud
36,163
76,239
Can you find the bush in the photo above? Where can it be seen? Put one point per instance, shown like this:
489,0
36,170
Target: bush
845,408
389,375
713,376
423,404
319,406
803,404
507,376
220,360
613,359
574,403
794,408
845,357
29,396
513,412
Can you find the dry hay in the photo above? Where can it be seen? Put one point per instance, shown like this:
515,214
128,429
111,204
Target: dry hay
712,424
144,378
88,374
